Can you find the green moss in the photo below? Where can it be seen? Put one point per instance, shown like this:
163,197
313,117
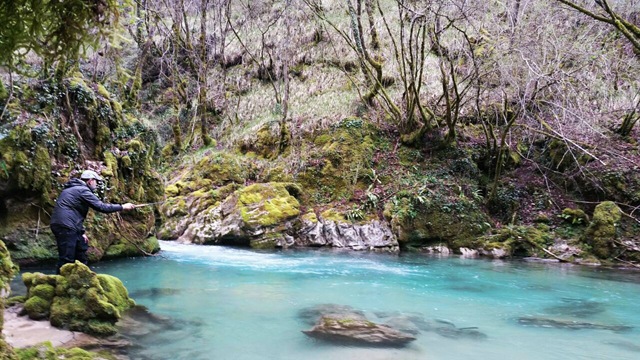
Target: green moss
310,216
37,308
20,299
83,300
115,292
7,271
322,139
575,216
46,351
100,328
518,240
220,168
266,204
419,220
265,243
44,291
4,94
333,215
135,145
338,161
102,91
7,268
172,190
126,161
601,232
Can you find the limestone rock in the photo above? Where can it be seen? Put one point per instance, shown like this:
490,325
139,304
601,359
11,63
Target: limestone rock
358,330
374,235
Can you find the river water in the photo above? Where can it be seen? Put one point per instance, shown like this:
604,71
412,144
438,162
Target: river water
229,303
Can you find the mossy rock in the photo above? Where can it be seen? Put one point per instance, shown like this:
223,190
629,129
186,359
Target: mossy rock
218,167
7,272
7,268
46,351
334,215
24,247
44,291
561,158
37,308
518,240
575,216
81,299
340,159
128,248
602,230
435,221
269,143
4,94
265,205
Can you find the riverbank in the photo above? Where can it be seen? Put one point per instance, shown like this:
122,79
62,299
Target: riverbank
21,332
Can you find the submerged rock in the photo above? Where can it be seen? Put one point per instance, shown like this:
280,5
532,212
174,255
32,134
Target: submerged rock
449,330
412,323
344,324
570,324
139,322
461,333
625,345
311,315
357,330
577,307
154,293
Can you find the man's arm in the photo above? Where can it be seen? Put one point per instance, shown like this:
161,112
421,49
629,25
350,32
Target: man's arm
96,204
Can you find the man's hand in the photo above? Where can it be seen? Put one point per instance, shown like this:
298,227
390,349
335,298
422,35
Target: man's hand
128,206
86,239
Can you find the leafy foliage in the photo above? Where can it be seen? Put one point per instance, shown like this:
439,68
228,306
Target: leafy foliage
55,30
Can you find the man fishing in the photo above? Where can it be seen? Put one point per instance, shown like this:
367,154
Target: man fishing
69,213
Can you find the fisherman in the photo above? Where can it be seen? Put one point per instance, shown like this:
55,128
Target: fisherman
69,213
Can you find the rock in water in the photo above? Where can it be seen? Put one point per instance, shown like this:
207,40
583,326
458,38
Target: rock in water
358,330
570,324
311,315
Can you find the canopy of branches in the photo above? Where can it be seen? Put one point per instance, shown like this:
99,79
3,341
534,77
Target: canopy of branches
53,29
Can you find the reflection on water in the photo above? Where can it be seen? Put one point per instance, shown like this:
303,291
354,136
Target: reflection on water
210,302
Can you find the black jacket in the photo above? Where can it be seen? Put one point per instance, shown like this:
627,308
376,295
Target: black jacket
73,204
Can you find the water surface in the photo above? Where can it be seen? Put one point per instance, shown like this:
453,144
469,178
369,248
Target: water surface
228,303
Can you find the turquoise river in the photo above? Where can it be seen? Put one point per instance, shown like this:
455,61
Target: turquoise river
229,303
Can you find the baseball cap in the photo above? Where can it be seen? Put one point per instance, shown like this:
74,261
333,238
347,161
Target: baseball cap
90,174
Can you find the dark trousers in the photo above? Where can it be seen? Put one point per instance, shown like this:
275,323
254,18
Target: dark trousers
71,246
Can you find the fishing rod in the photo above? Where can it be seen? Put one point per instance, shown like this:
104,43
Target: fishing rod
148,204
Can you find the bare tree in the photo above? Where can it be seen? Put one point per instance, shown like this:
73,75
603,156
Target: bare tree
621,21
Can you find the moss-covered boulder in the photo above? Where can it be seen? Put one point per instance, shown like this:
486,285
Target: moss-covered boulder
515,240
339,161
78,299
252,215
420,221
17,231
270,141
200,184
575,216
601,232
7,271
